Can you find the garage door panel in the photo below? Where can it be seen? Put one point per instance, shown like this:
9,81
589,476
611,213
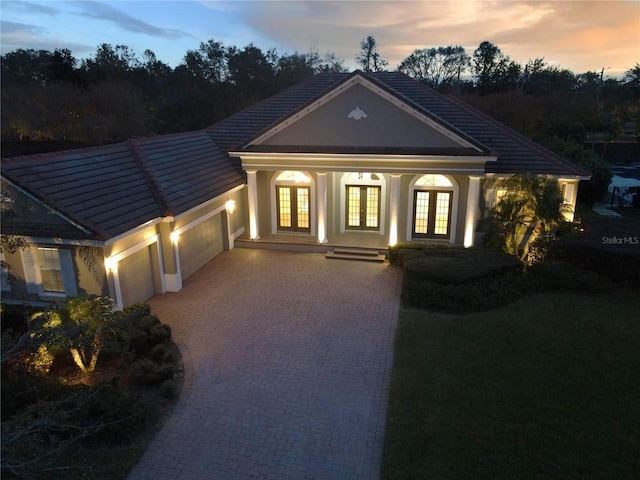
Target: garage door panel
137,277
200,244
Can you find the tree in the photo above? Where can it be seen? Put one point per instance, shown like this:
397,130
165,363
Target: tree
594,189
369,59
83,326
111,63
252,71
532,205
632,76
437,67
493,70
208,62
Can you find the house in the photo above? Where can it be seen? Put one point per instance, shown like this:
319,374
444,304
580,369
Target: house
374,154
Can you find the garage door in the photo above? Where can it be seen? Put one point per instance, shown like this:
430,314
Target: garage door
200,244
136,277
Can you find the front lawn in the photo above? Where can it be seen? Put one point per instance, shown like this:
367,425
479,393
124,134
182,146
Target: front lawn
546,387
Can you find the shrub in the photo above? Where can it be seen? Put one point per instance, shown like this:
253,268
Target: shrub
161,353
159,334
147,372
563,277
480,295
456,266
146,322
138,310
138,340
169,389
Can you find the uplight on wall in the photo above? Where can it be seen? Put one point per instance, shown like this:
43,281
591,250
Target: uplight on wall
110,264
230,205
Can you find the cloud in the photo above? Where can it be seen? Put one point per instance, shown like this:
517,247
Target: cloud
20,35
29,7
104,12
572,33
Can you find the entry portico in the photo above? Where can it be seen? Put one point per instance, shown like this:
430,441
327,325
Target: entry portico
360,158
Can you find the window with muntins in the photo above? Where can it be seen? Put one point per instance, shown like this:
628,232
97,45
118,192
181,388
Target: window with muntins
50,270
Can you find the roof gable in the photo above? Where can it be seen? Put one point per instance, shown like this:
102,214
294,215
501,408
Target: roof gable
358,113
515,153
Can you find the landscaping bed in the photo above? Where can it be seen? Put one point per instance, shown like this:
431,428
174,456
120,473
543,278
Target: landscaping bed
59,421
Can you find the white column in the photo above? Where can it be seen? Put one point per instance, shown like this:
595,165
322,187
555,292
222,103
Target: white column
570,195
253,204
394,209
322,207
473,198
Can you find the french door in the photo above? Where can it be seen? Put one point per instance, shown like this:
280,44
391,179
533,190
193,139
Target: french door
432,213
363,207
293,208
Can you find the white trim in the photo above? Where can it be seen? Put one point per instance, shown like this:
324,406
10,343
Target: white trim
393,99
114,260
453,221
252,200
473,197
199,220
33,275
133,231
355,157
62,241
394,209
322,207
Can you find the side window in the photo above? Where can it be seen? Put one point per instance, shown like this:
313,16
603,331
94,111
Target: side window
50,270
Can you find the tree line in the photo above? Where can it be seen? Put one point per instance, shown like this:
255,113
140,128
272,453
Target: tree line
114,95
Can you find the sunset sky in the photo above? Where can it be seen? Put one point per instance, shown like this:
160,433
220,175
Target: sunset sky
580,35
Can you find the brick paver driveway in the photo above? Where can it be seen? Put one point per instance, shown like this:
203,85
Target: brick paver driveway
287,364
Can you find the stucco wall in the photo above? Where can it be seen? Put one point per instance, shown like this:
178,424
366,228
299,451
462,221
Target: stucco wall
385,125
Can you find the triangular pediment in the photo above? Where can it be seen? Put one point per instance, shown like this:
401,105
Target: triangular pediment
358,113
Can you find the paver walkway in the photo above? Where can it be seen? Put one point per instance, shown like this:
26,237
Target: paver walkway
287,366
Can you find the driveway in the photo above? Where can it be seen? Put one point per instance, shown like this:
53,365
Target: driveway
287,365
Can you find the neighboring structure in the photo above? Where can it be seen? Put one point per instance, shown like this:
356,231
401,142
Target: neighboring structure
365,152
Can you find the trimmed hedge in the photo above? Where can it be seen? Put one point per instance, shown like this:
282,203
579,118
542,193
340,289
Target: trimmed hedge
462,281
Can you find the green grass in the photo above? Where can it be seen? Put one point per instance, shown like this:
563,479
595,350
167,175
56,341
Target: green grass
547,387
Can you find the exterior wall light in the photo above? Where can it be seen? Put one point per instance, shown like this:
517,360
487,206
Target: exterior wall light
110,264
230,205
174,237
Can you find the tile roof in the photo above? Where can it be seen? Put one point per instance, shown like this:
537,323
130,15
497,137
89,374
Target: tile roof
112,189
516,153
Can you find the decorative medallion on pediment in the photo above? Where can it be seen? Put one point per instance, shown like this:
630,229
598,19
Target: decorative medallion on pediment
357,114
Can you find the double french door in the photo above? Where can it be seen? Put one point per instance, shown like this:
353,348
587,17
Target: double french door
293,208
432,213
363,207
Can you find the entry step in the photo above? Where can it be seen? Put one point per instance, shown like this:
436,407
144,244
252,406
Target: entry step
356,254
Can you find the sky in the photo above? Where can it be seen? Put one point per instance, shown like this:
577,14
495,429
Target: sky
582,35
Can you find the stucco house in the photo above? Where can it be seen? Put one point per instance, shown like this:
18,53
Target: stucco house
376,158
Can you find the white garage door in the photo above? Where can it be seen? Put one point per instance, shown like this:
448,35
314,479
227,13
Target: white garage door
136,277
200,244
